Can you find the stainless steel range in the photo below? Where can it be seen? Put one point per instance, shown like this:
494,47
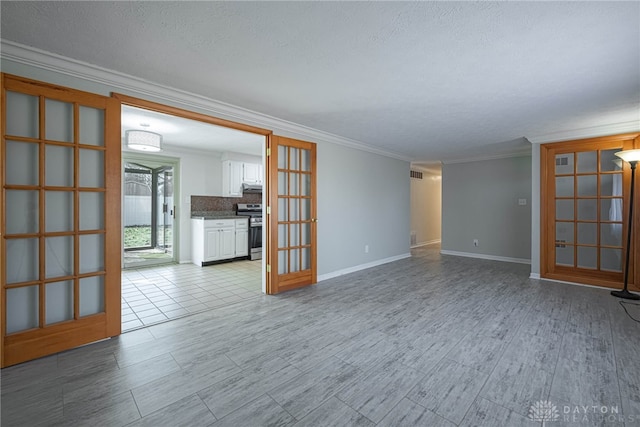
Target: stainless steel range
254,212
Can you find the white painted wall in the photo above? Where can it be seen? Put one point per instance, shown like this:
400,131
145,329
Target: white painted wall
426,208
480,201
363,198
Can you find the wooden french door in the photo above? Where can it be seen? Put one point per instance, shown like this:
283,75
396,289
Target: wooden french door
585,195
60,219
291,259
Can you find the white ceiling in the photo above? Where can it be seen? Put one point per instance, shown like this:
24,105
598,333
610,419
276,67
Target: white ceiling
427,80
179,133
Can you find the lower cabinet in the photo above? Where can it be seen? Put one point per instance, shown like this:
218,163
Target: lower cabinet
215,240
242,237
219,243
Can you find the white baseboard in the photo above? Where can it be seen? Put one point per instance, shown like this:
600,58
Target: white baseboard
430,242
355,268
488,257
535,276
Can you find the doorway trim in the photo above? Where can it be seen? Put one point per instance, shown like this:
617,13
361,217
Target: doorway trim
192,115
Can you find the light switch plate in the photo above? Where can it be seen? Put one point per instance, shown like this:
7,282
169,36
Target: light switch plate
522,202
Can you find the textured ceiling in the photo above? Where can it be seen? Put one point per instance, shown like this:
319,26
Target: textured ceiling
427,80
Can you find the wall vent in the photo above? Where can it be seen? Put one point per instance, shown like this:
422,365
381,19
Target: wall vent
416,174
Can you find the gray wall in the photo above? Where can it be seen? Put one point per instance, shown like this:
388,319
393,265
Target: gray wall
363,198
480,201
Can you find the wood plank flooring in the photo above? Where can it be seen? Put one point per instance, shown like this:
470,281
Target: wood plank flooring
430,340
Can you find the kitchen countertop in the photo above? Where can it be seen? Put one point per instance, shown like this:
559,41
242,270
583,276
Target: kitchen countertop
216,215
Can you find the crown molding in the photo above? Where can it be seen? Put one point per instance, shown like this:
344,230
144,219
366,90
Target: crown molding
519,153
52,62
590,132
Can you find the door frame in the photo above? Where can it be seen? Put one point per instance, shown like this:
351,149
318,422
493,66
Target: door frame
175,164
205,118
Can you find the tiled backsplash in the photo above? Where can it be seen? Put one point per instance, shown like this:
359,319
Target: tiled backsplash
202,204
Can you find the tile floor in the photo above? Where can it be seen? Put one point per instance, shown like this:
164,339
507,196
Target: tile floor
157,294
431,340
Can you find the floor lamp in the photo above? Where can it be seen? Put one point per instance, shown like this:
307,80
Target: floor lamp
632,157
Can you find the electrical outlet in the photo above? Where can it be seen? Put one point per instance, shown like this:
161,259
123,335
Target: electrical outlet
366,249
476,243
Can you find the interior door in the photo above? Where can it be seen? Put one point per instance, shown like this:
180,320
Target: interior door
585,210
291,215
60,219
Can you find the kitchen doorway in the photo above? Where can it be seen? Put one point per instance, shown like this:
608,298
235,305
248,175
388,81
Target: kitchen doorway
149,211
199,146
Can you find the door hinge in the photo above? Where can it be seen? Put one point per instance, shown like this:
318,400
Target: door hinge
268,268
268,152
268,210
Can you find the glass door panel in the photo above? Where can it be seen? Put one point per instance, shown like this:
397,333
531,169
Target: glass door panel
22,114
148,211
59,301
137,207
24,309
24,167
164,209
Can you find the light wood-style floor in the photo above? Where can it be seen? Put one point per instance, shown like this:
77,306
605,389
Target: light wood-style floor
427,341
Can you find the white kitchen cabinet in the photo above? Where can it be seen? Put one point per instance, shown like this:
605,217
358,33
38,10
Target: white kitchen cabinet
211,245
219,239
232,178
251,173
227,243
242,237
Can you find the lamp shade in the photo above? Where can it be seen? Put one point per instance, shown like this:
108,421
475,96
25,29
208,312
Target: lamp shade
143,140
629,155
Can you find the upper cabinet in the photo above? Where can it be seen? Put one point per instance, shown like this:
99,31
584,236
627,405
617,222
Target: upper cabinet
235,173
251,173
231,179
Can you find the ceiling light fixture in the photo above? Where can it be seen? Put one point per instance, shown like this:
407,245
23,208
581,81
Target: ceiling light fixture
143,140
